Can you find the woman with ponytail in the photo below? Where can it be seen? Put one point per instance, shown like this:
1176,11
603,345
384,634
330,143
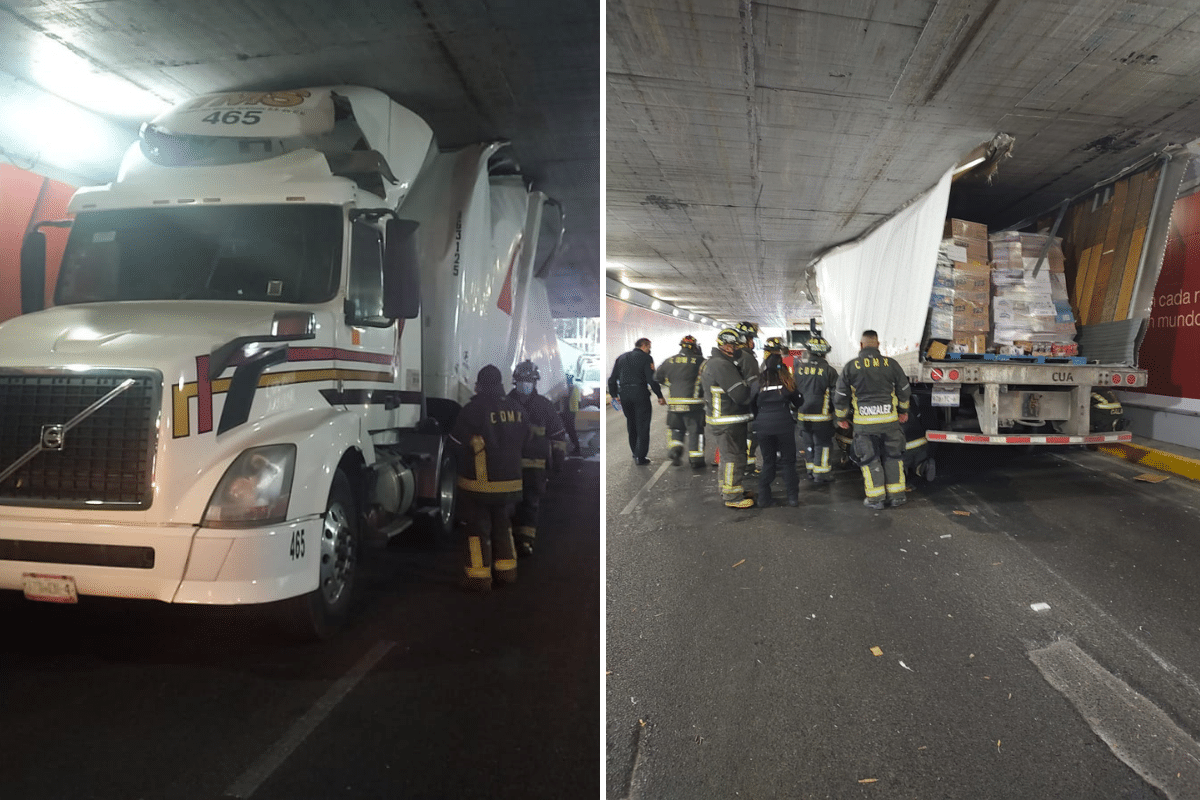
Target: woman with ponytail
774,405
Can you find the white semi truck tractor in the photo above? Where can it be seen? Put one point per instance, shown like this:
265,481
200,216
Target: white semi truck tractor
258,339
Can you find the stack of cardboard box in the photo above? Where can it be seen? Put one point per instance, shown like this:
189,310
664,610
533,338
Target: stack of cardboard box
966,247
1030,309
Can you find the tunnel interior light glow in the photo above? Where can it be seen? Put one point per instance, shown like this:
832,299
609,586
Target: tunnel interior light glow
624,294
656,305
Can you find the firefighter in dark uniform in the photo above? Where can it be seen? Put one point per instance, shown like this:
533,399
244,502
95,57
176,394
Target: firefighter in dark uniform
750,369
685,408
726,412
547,449
916,447
816,381
873,391
488,438
1107,415
631,382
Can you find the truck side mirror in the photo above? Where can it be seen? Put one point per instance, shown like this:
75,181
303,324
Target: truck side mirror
401,270
33,272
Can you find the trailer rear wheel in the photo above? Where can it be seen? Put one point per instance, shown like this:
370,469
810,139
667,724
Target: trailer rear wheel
438,527
323,612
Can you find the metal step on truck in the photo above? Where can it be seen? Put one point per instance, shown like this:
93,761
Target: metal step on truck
255,345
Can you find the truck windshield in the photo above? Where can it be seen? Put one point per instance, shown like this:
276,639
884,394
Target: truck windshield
274,253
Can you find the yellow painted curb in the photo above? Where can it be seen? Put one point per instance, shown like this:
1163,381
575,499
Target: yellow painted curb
1155,459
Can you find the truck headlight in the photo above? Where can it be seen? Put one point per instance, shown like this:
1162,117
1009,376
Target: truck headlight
254,490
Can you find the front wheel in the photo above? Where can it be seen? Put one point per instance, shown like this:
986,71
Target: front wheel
323,612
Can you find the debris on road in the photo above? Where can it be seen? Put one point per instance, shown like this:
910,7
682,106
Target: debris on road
738,564
1040,606
1150,477
963,513
876,651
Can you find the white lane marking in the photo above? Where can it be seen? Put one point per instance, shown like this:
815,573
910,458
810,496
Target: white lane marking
1136,730
1094,607
645,490
252,778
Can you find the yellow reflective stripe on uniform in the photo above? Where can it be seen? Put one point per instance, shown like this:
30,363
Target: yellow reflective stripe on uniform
526,532
686,401
558,444
475,551
873,419
478,447
538,430
821,465
489,487
915,443
895,488
729,420
868,485
533,463
696,453
505,564
814,417
727,485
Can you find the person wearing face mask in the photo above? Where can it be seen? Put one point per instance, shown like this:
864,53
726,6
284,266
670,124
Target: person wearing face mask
547,449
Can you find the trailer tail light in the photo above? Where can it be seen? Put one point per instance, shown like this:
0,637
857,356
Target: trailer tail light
1131,379
1116,379
953,375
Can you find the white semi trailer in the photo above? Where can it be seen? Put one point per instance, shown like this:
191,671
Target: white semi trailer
260,334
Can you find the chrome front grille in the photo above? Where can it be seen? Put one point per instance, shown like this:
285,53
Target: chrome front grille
106,460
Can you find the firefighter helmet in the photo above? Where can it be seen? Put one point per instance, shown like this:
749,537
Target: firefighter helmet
689,342
748,329
817,346
774,345
526,371
730,336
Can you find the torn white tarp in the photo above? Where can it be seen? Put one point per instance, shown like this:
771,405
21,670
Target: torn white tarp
883,281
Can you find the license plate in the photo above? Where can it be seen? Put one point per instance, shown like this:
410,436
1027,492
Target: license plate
50,588
944,396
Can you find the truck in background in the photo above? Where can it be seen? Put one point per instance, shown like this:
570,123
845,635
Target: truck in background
980,389
260,336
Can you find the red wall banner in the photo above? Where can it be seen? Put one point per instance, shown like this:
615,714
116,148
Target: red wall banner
1171,349
26,198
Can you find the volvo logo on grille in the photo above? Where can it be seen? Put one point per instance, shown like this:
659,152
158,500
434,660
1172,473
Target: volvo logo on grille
53,437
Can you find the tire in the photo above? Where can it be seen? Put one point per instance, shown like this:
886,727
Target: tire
321,613
437,528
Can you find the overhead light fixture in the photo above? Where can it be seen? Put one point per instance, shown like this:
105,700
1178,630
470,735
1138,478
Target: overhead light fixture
655,306
675,313
692,317
624,294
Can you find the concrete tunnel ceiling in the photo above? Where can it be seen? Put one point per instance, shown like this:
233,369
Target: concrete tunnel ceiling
525,71
744,139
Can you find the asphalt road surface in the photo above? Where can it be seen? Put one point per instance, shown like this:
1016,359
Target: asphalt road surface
1028,626
430,693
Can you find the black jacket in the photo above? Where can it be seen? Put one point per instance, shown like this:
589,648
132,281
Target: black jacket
726,392
872,391
774,409
633,376
816,381
681,375
489,436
